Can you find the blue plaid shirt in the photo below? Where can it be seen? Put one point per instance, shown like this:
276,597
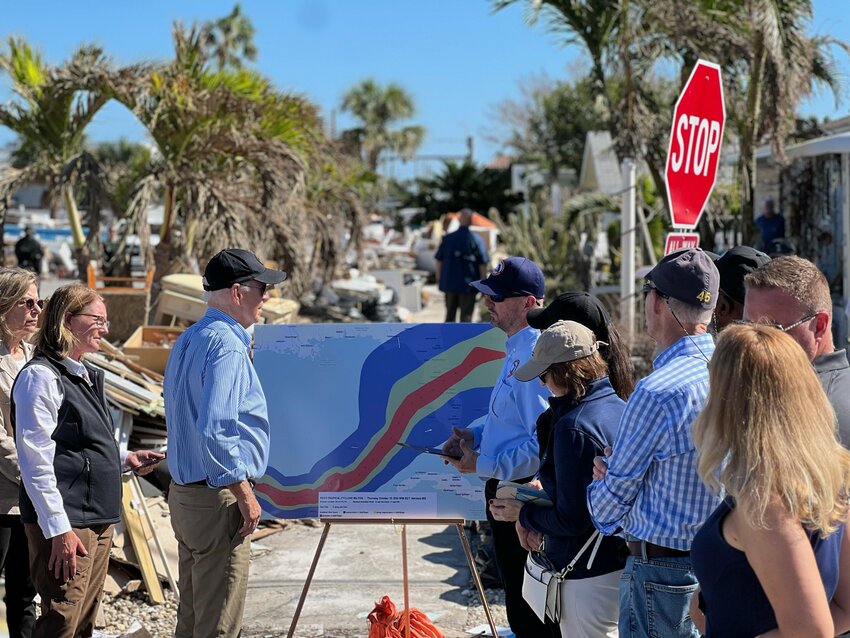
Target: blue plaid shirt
652,489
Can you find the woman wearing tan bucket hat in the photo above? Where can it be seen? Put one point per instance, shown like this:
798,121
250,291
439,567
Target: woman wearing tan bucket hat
585,411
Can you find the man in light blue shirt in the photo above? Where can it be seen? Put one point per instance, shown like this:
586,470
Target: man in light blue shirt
505,446
650,487
218,445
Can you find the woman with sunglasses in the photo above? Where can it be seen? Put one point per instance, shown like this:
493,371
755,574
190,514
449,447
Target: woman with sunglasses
774,558
20,308
585,412
70,463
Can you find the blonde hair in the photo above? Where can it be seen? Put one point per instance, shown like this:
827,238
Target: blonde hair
796,277
767,431
14,284
55,338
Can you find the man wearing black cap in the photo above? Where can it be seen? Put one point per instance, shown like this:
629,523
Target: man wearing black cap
218,445
505,446
735,264
648,487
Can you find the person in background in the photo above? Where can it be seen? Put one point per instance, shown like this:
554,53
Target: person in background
505,446
735,264
771,226
28,252
648,485
585,411
70,495
793,295
460,260
20,308
218,444
773,557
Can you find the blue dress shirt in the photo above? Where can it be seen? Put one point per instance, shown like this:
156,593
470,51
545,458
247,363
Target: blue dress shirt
507,440
215,409
652,489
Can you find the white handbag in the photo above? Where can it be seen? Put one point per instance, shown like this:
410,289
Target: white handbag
541,585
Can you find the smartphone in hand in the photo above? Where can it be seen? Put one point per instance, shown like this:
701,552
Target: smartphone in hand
147,463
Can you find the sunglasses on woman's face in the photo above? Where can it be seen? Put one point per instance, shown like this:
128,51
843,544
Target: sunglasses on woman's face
31,303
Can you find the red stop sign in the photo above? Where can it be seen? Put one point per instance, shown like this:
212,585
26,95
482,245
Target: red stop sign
694,151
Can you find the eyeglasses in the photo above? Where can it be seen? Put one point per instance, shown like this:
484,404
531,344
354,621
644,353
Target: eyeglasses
649,287
508,295
779,326
542,375
31,303
261,287
99,321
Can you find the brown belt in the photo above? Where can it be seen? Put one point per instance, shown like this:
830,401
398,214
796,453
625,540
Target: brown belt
643,549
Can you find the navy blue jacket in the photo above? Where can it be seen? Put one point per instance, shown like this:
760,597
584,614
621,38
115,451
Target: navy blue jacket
461,253
580,432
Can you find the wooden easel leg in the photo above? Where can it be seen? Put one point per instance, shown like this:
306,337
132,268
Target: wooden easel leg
472,568
405,581
312,571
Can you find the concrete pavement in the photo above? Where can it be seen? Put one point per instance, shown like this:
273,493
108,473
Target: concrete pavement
358,565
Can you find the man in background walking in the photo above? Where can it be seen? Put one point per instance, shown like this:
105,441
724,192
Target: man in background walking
461,259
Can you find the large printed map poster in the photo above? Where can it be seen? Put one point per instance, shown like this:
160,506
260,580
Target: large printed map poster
342,396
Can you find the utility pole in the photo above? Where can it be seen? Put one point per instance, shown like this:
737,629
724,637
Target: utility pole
627,249
470,146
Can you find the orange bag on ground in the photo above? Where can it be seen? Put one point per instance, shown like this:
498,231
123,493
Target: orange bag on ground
387,622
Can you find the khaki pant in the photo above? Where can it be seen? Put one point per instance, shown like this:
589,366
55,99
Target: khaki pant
590,607
69,609
213,561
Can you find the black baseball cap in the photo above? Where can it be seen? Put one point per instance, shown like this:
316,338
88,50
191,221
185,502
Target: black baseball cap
688,275
512,277
578,306
236,266
735,264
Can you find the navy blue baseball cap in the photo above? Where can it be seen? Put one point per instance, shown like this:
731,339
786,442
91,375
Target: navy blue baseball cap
689,276
513,277
236,266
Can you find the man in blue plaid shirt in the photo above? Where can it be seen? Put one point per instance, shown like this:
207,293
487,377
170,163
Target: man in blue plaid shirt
648,486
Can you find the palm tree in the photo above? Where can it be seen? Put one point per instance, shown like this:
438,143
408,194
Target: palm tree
229,149
237,163
230,39
592,23
378,108
50,115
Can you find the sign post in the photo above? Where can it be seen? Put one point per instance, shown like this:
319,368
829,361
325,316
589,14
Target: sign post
694,152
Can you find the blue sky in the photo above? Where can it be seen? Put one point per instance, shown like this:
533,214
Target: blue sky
457,58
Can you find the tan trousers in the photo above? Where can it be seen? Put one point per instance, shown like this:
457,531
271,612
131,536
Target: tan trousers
69,610
213,561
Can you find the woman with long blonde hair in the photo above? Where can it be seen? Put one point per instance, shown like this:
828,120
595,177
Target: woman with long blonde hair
768,558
